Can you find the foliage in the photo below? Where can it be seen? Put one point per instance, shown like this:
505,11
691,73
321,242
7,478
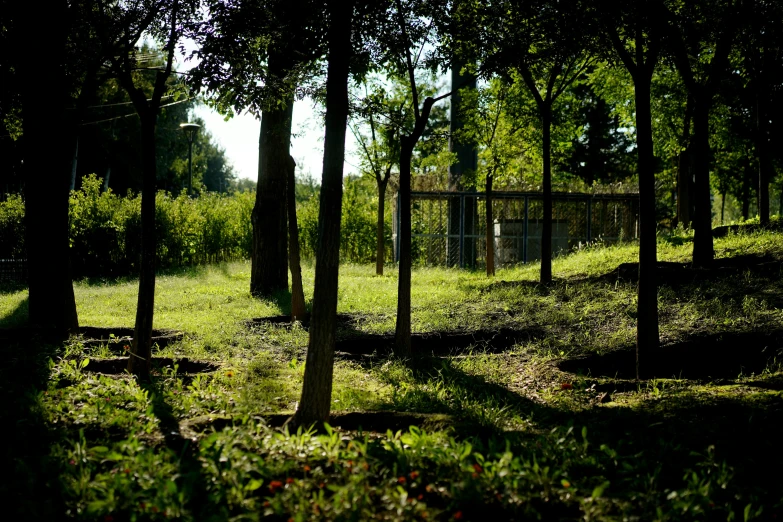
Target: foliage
106,230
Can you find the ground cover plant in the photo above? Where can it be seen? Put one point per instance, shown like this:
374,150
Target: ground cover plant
520,403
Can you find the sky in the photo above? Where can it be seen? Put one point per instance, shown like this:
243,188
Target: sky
239,137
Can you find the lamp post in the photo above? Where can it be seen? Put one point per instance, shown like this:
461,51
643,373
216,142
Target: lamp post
190,131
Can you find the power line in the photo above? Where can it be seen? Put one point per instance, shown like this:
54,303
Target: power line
134,113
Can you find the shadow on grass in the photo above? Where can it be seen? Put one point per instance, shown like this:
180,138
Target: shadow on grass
707,356
29,488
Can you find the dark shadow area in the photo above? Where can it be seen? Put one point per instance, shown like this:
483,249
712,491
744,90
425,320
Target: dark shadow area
723,231
117,337
29,484
352,343
16,319
708,356
678,274
185,366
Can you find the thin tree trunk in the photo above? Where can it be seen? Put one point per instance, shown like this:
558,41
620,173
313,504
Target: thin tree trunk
297,292
546,233
746,182
315,404
269,272
490,228
722,205
51,302
141,350
380,246
685,172
647,333
703,252
766,169
402,331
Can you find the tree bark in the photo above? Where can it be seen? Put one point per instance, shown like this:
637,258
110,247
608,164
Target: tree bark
685,172
647,333
297,292
764,158
490,228
139,362
402,331
546,232
380,246
703,252
269,272
315,404
51,302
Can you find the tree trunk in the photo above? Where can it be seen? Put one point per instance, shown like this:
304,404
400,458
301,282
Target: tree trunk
269,273
402,331
490,228
380,248
297,292
546,232
702,220
51,302
315,403
764,157
141,349
722,205
647,334
746,182
685,172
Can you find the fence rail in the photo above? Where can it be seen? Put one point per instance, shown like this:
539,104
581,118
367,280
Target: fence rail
449,228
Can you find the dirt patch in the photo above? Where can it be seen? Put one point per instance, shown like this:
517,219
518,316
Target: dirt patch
368,421
118,365
715,356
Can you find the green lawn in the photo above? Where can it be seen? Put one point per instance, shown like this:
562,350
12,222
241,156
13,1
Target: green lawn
550,427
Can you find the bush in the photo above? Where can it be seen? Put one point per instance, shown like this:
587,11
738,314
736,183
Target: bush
12,228
106,228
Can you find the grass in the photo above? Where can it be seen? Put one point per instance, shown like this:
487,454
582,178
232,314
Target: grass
551,428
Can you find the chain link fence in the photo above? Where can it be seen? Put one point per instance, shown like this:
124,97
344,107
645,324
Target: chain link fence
449,228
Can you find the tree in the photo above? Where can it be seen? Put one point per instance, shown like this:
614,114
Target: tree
253,56
163,20
409,33
496,132
761,49
635,35
380,150
297,292
51,298
548,44
315,403
700,38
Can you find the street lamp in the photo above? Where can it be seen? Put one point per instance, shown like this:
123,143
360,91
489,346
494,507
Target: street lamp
190,131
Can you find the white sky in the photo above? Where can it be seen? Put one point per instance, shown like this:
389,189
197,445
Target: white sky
239,136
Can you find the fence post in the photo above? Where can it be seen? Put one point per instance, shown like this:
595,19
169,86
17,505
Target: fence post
524,233
589,218
462,230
